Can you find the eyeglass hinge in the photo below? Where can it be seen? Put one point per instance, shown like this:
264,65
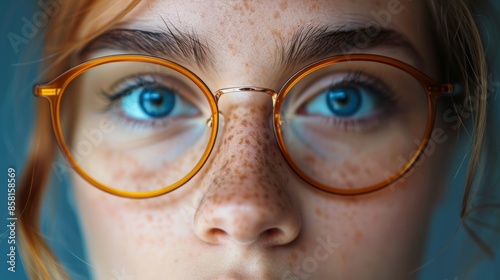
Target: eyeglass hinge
46,91
446,88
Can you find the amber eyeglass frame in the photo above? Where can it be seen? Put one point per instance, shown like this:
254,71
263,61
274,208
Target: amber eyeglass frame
54,90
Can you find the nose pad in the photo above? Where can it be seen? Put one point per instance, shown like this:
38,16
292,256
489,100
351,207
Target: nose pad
247,198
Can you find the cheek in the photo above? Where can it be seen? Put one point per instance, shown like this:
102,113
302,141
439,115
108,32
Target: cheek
142,160
141,235
368,234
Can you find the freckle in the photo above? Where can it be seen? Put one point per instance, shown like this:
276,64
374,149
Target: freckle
343,257
368,171
149,218
277,15
352,168
232,48
303,248
310,159
315,6
318,212
229,197
354,200
284,4
358,236
293,256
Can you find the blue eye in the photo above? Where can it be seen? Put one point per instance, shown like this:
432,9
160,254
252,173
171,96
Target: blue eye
149,102
156,102
344,102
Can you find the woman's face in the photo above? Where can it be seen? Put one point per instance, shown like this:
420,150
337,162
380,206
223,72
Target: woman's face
246,214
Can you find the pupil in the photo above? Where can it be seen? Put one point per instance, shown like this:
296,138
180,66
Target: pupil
156,99
157,102
343,101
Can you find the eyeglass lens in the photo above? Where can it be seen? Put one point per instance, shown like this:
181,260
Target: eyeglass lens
141,127
353,124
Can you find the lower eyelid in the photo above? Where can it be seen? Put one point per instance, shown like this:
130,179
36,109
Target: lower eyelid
362,125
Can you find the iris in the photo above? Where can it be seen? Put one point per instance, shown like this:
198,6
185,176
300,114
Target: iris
157,102
344,102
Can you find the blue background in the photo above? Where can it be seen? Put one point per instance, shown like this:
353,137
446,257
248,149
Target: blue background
19,70
15,112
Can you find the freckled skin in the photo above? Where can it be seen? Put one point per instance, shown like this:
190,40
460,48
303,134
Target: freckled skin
254,189
246,214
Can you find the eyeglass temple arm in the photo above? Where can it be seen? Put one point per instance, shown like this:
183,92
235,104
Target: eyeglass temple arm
454,89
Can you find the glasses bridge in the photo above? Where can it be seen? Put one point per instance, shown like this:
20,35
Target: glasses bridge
268,91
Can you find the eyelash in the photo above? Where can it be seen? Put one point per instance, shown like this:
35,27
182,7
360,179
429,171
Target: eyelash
383,93
370,82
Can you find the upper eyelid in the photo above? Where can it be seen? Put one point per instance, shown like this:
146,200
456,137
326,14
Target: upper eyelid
184,91
129,83
311,93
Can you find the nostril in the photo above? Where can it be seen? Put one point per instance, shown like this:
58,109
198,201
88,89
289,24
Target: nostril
273,232
216,234
272,236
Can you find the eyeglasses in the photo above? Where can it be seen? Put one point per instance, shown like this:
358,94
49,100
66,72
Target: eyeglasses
140,126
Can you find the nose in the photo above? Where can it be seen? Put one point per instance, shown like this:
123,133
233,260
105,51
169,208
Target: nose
246,199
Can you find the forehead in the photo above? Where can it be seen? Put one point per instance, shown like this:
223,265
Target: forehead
239,18
246,35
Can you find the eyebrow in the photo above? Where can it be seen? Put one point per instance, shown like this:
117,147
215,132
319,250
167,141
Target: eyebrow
316,42
306,44
172,43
